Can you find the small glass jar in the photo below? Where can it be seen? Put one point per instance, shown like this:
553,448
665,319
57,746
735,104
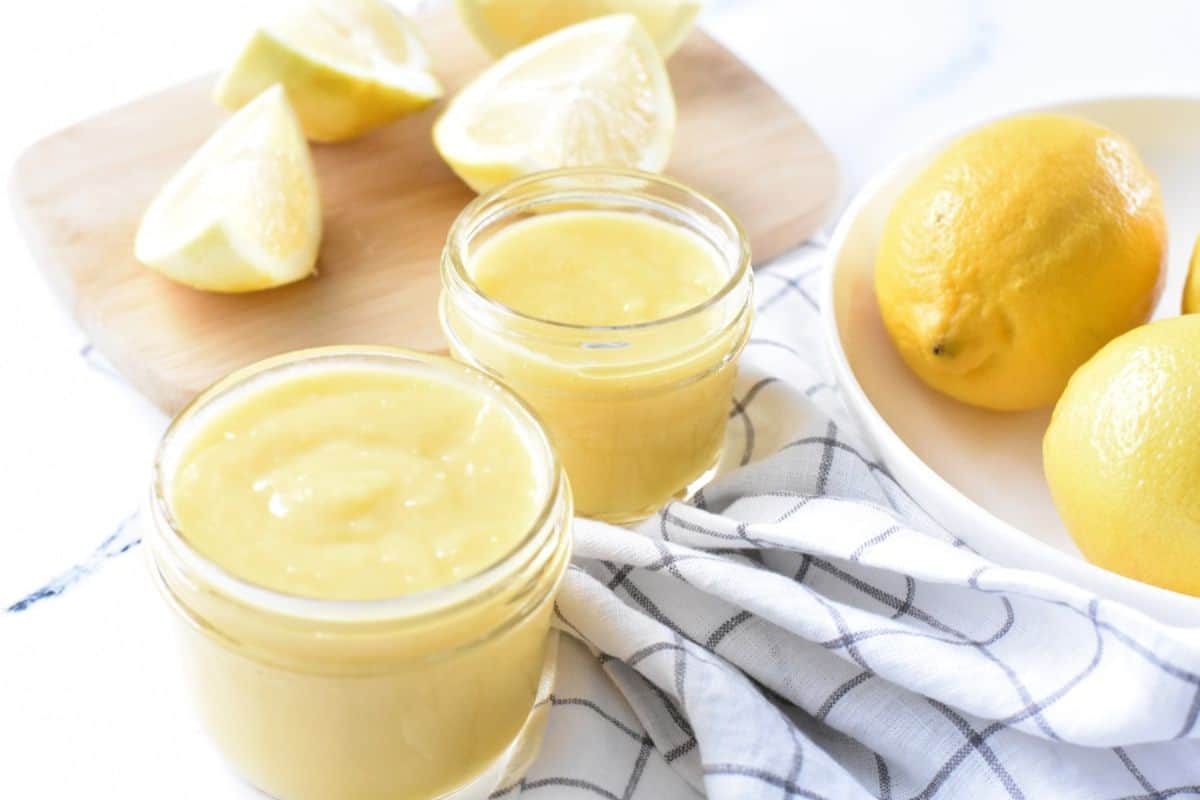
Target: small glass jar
637,412
425,695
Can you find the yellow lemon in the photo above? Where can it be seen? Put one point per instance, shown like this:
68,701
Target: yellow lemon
1191,290
1122,455
593,94
503,25
243,213
1015,255
348,66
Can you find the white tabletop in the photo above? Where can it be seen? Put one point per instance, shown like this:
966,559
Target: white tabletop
80,714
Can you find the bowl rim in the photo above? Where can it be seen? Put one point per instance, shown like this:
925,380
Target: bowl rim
875,427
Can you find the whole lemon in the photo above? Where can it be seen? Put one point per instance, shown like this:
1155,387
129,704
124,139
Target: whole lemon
1122,455
1020,251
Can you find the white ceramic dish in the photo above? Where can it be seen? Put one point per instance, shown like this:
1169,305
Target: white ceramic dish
980,472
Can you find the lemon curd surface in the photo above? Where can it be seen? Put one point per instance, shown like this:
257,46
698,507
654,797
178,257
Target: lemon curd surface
357,484
598,268
363,547
618,341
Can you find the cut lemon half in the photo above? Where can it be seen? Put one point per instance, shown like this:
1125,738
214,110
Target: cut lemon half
593,94
348,66
504,25
243,213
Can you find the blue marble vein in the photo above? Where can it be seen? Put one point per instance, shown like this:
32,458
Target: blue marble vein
124,538
98,362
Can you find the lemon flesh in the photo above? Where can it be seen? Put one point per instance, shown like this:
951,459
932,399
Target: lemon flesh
504,25
1191,289
593,94
243,213
348,67
1020,251
1122,455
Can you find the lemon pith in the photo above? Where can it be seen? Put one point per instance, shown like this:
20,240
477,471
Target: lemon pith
593,94
243,213
1122,455
348,67
1016,254
504,25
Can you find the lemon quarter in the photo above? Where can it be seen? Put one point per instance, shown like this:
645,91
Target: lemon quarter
504,25
348,66
593,94
243,213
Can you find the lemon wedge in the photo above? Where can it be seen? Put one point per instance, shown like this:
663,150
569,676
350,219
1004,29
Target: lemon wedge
503,25
243,213
593,94
348,66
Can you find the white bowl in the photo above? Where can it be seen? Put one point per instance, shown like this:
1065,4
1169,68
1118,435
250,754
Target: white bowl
980,472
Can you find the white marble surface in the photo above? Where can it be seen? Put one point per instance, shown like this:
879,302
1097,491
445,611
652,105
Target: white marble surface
81,718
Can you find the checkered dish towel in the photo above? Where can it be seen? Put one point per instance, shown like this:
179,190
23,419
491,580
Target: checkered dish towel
803,630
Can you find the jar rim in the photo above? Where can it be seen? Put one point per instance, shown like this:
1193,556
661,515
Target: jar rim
462,228
468,589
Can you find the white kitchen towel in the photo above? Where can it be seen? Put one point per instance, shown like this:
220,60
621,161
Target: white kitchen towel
804,630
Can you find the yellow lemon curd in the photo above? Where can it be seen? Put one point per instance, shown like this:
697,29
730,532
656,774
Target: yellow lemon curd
598,268
614,328
357,485
365,547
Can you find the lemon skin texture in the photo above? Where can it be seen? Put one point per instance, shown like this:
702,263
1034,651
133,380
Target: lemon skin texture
1015,255
1122,455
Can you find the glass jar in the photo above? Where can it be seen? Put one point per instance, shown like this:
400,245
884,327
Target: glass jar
637,412
424,695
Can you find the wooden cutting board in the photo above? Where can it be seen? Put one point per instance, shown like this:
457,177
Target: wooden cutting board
388,202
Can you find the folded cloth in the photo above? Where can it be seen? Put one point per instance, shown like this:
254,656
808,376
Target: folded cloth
802,629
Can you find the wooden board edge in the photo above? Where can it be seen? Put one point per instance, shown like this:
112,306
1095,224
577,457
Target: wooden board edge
33,233
823,213
20,185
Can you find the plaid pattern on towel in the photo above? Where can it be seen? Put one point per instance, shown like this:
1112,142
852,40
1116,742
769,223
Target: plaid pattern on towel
804,630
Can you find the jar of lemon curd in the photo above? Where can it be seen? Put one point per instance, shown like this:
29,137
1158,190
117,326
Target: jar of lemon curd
615,303
361,547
